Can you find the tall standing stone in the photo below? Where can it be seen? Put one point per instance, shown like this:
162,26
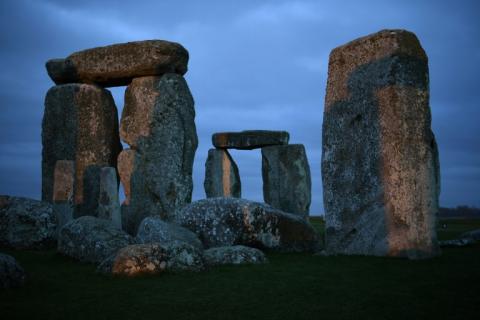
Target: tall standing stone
221,175
108,203
158,122
380,164
286,178
80,123
63,186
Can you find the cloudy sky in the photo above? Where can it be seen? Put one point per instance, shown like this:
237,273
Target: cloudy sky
253,65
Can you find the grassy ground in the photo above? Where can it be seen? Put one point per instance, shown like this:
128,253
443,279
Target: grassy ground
291,286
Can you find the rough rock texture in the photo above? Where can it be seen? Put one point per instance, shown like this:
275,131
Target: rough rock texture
221,175
118,64
153,258
286,178
80,123
233,255
90,239
158,122
109,204
249,139
63,186
11,273
155,230
229,221
380,165
26,223
125,163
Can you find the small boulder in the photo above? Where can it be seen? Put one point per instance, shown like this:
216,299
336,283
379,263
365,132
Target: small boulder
153,258
26,223
11,273
229,221
90,239
155,230
233,255
474,235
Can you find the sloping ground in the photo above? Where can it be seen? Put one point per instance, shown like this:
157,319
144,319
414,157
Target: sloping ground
291,286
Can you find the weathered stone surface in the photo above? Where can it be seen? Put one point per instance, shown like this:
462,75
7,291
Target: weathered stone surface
125,164
155,230
158,122
286,178
109,204
80,123
233,255
249,139
11,273
63,186
26,223
153,258
118,64
229,221
380,165
90,239
221,175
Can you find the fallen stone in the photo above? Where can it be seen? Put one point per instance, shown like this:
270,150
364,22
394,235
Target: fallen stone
380,166
286,178
230,221
474,234
221,175
233,255
460,242
118,64
249,139
155,230
11,273
153,258
63,186
158,121
109,204
26,223
80,123
90,239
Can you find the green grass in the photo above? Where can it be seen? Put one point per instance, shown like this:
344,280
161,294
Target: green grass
290,286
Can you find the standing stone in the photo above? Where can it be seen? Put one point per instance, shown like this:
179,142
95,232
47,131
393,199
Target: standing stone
63,186
221,175
380,164
158,122
118,64
80,123
249,139
125,164
109,204
286,178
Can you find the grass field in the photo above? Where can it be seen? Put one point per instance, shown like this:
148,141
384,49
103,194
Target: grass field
290,286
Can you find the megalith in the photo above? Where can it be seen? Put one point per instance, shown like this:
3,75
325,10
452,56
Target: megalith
63,186
221,175
80,123
286,178
118,64
158,122
249,139
108,203
380,166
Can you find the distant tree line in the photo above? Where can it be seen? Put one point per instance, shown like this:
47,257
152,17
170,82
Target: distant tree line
459,212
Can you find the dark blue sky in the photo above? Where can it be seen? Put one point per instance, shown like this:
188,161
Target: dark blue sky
253,65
